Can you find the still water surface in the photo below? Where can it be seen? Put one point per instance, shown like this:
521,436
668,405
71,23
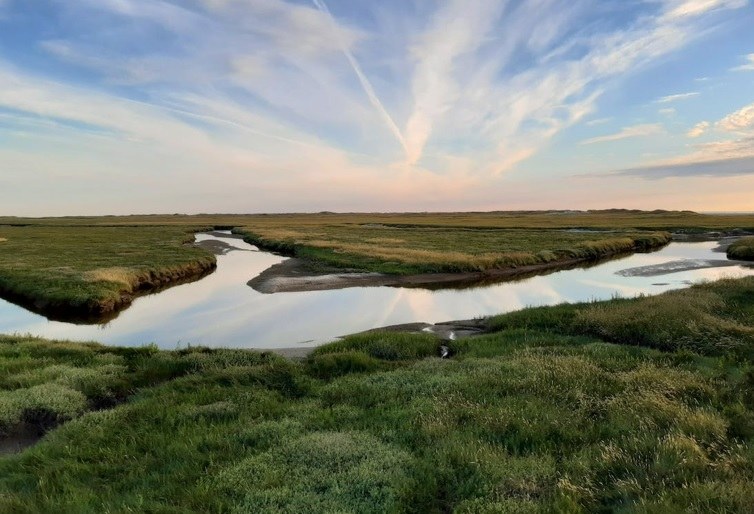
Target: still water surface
221,310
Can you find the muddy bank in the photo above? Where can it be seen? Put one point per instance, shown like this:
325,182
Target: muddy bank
445,331
725,237
297,275
107,309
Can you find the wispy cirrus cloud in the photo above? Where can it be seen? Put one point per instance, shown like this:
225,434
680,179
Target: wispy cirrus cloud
685,8
513,114
644,130
467,86
749,66
380,100
676,97
598,121
454,35
363,80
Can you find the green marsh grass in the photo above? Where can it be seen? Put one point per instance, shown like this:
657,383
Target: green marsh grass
618,406
443,249
743,249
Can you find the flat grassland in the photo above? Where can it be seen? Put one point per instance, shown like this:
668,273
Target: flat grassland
642,405
604,219
82,267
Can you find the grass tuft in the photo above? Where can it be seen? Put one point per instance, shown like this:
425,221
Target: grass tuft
319,472
697,319
743,249
385,346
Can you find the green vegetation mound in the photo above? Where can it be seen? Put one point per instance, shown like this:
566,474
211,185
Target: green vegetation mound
742,250
320,472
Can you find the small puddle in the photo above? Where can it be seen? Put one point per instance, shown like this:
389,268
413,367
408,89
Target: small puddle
221,310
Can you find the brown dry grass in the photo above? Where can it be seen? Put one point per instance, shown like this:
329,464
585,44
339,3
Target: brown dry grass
128,278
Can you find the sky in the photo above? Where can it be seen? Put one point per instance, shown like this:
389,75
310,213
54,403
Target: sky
204,106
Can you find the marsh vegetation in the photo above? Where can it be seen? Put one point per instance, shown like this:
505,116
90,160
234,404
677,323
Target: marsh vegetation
743,249
642,404
91,267
411,250
630,405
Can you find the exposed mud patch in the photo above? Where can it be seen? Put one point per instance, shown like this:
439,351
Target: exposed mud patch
18,441
297,275
446,330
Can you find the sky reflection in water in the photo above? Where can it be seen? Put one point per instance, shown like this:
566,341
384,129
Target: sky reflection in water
221,310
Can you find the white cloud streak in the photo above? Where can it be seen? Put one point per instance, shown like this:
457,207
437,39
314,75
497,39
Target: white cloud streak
679,9
675,98
471,86
363,80
627,133
455,31
749,66
598,121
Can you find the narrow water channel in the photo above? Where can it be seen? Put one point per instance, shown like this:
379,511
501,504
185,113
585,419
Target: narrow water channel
220,310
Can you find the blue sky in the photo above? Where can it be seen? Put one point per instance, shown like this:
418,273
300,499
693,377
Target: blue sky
126,106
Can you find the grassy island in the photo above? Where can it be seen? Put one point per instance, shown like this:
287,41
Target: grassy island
90,272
